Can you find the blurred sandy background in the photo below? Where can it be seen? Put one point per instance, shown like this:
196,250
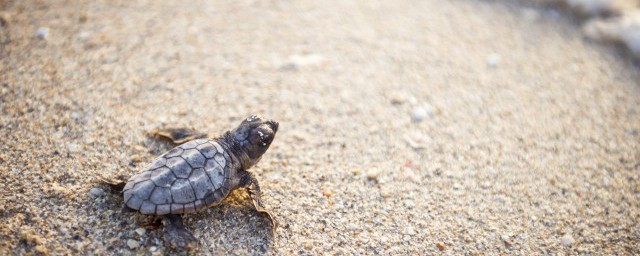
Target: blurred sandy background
406,127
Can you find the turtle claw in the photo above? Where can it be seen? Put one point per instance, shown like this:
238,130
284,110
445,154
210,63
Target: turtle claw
257,204
274,224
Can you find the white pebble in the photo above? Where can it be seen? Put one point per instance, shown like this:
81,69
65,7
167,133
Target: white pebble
141,231
409,231
410,204
133,244
373,174
568,240
58,134
493,60
96,192
73,148
88,140
42,32
305,60
419,114
418,140
84,35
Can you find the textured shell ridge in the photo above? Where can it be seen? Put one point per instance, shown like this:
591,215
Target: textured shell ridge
185,179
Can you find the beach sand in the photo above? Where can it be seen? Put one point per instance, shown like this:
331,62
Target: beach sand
406,127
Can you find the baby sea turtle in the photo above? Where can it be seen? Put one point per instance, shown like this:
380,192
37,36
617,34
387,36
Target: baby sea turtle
200,173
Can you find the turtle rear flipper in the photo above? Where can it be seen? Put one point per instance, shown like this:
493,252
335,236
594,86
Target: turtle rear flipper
126,209
175,234
178,135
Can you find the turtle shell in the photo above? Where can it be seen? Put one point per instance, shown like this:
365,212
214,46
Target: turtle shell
185,179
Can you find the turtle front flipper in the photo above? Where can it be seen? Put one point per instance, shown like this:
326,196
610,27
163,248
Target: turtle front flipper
178,135
251,183
257,203
175,234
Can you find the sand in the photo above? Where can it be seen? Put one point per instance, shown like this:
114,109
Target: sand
406,127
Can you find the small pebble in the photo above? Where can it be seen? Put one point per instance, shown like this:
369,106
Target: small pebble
373,174
308,245
397,99
409,231
297,61
74,148
4,18
89,140
136,158
493,60
299,135
568,240
133,244
96,192
84,36
419,114
141,231
410,204
42,32
418,140
41,249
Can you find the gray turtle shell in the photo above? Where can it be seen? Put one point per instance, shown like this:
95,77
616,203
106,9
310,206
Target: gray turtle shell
187,178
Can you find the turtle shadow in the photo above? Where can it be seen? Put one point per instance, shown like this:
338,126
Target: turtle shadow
232,225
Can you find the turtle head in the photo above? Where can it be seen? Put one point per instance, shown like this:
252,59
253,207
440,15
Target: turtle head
254,136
